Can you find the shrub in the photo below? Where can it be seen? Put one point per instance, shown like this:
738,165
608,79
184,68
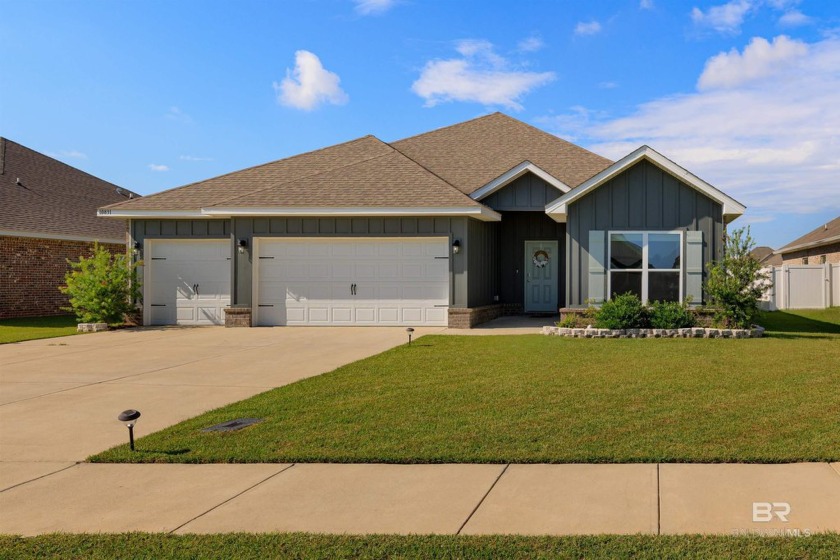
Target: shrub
569,321
736,283
101,287
621,312
671,315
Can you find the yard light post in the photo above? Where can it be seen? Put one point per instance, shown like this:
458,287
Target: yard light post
129,418
409,330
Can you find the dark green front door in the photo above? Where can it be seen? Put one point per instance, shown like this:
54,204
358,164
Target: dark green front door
541,268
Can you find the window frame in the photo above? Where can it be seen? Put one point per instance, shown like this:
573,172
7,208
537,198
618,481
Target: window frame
645,270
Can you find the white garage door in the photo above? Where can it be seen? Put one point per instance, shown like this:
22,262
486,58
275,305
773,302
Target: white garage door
187,282
352,281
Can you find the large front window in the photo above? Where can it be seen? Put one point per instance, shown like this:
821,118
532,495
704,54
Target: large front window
647,264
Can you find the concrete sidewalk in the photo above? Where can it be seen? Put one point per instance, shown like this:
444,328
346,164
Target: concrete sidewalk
446,499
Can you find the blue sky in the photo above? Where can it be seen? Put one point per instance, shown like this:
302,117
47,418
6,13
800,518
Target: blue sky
152,95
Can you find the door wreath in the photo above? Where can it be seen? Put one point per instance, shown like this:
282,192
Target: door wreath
540,258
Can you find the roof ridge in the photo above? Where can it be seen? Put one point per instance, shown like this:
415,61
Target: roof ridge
555,137
309,176
254,167
450,185
74,169
451,126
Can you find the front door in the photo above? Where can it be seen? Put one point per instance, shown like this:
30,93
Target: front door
541,276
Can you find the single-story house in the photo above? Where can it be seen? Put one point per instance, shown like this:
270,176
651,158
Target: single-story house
48,215
819,246
452,227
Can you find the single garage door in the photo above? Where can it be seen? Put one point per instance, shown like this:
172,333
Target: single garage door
187,282
383,281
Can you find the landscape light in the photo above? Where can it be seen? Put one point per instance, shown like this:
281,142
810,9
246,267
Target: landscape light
129,418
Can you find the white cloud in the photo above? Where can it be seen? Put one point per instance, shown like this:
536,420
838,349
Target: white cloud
726,18
531,44
176,114
309,84
794,18
646,4
373,7
760,59
607,85
158,167
587,28
480,76
771,141
194,158
68,154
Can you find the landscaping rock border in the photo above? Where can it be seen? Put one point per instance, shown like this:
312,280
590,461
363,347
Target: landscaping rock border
694,332
91,327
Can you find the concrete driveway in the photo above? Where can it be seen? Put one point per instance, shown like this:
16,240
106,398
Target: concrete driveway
59,398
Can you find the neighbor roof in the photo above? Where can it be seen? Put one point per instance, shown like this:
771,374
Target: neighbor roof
766,256
43,197
471,154
823,235
433,170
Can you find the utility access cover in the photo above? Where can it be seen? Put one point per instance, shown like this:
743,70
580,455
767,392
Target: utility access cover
232,425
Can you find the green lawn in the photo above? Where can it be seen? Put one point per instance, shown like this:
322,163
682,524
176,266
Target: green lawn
18,330
300,545
535,399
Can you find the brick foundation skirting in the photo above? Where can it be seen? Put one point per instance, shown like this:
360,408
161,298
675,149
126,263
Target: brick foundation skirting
237,316
32,269
468,317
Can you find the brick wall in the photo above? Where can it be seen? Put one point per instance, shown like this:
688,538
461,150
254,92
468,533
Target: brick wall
468,317
831,252
31,270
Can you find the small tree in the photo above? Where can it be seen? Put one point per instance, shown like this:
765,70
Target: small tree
101,287
736,282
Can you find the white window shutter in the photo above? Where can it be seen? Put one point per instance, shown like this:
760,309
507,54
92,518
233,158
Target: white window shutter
694,266
597,266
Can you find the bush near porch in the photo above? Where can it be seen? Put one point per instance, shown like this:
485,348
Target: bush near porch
535,399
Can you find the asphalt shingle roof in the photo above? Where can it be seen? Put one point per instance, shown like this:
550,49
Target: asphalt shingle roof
471,154
386,181
436,169
53,198
824,232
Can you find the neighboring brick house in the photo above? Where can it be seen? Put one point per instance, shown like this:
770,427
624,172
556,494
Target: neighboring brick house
47,215
816,247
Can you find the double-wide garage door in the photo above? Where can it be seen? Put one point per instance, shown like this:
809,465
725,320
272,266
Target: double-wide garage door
187,282
383,281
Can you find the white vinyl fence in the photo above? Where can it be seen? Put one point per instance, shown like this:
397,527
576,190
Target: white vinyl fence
803,286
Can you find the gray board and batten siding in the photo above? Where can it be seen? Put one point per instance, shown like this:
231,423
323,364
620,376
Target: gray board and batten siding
642,198
522,204
527,193
478,244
